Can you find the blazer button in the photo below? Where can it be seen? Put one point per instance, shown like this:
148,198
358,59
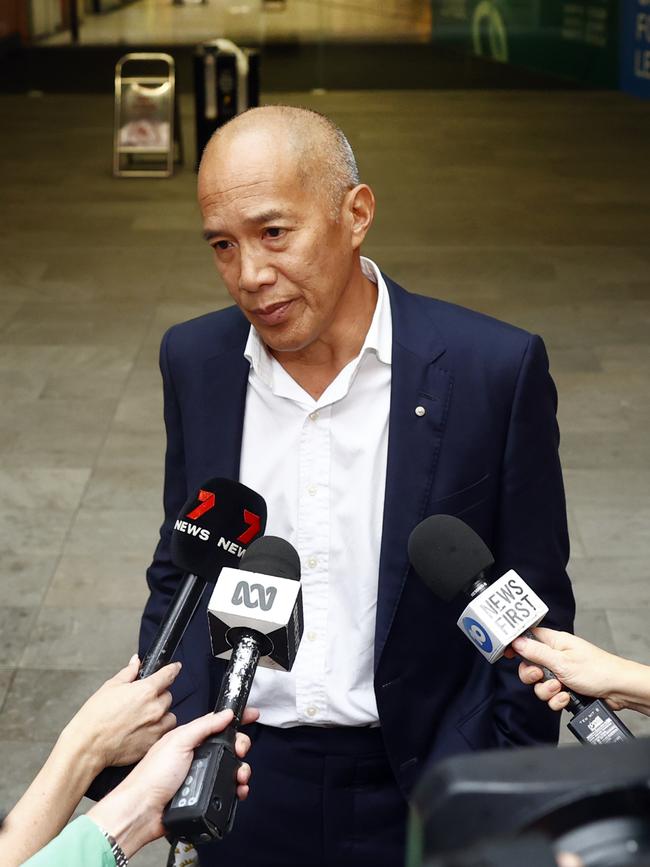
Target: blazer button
420,411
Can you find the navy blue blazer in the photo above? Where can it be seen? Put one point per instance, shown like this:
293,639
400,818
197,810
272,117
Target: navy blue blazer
486,450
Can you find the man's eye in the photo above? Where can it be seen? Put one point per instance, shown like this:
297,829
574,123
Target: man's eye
222,245
274,232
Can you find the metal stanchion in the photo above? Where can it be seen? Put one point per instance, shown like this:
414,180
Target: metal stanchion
226,83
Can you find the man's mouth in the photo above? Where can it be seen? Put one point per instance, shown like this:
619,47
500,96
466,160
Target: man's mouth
273,314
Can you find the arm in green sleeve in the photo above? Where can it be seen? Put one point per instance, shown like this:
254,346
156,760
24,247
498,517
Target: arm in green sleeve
80,844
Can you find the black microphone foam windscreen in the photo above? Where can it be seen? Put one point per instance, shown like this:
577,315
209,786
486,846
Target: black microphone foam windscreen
447,554
273,556
215,527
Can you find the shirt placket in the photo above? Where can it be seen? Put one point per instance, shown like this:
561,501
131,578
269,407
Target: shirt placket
313,545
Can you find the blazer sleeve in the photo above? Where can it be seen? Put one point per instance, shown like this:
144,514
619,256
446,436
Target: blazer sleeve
532,537
163,576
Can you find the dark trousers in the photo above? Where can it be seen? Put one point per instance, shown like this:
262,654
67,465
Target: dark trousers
319,797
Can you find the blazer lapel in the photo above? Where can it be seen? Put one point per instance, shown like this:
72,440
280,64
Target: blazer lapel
225,378
419,381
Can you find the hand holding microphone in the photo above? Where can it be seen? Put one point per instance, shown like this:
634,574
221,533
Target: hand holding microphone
132,813
255,616
452,559
125,717
580,665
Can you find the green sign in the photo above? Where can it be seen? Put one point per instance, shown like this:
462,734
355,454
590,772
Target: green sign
575,39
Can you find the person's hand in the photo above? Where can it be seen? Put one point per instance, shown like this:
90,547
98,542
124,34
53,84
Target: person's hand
125,717
132,812
578,665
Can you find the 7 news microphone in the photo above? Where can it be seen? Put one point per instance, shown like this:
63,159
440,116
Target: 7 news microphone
256,617
452,559
212,531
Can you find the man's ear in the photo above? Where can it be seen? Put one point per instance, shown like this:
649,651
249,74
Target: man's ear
360,206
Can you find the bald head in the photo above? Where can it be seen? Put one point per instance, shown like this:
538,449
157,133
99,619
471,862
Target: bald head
309,141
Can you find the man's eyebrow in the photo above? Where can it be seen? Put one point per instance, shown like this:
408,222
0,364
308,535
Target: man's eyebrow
209,234
254,219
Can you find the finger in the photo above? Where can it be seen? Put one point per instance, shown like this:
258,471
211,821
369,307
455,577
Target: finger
242,744
193,733
535,652
550,637
545,691
567,859
168,723
530,673
559,701
163,679
244,774
242,792
165,702
129,673
251,715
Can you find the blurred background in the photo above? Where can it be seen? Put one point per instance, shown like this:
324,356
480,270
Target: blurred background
507,144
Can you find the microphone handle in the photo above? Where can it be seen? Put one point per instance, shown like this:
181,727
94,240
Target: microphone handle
174,623
203,808
237,681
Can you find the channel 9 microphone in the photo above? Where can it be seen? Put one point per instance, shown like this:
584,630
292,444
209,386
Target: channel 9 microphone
452,559
212,531
255,617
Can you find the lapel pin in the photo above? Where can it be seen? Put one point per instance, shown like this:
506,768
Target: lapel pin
420,411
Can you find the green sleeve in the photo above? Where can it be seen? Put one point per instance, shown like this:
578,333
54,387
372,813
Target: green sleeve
80,844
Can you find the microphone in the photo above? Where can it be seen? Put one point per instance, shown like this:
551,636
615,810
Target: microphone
212,531
255,617
451,559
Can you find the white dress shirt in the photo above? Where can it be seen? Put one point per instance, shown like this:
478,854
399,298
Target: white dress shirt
321,467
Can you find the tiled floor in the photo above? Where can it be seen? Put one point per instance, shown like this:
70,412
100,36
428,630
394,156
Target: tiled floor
161,21
528,206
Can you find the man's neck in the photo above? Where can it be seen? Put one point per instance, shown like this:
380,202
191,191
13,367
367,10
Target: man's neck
317,366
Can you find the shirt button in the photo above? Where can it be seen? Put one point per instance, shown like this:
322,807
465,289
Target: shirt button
312,562
420,411
312,490
312,711
314,415
312,636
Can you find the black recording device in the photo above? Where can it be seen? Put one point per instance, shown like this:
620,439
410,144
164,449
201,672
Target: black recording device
452,559
255,617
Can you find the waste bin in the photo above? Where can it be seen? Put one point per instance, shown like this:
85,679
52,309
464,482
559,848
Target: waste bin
226,83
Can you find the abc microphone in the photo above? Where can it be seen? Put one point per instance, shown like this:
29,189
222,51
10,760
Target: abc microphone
255,617
212,531
452,559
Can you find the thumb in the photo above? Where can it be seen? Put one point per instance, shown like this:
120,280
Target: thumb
536,652
129,673
195,732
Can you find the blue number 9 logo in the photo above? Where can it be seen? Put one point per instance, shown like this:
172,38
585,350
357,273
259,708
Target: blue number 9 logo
476,633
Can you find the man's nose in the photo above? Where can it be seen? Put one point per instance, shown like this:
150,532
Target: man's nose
255,272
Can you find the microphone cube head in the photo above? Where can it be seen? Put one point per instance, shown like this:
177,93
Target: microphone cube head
501,613
266,604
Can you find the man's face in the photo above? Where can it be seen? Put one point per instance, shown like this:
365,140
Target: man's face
283,258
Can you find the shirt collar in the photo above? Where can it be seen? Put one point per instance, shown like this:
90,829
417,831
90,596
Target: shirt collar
379,338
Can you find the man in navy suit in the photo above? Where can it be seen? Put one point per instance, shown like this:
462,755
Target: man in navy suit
356,409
